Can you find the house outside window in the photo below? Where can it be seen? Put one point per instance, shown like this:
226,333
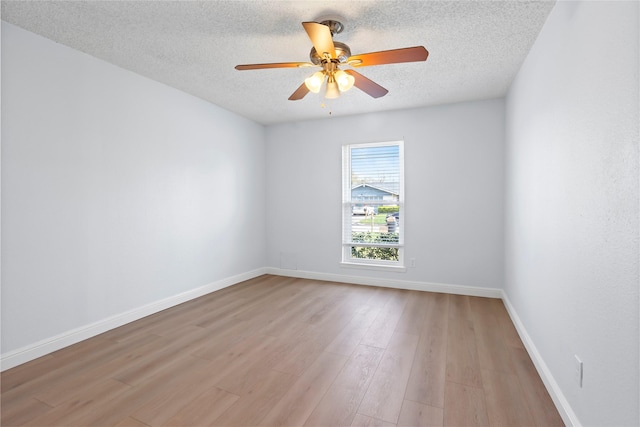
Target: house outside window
372,204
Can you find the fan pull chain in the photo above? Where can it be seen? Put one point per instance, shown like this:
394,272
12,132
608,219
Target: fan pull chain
324,105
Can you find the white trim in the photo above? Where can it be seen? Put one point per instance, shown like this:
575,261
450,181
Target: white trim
373,245
379,267
390,283
568,416
49,345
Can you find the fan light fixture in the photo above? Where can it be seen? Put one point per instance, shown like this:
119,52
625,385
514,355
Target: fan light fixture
333,91
345,81
314,82
337,82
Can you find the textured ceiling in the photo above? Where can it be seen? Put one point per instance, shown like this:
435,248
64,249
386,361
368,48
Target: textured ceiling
475,47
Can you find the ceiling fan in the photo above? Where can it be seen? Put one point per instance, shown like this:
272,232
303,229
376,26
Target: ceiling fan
330,55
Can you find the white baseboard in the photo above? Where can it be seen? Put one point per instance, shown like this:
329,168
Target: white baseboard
568,416
49,345
389,283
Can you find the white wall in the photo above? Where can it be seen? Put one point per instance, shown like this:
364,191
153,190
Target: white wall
117,191
453,186
572,205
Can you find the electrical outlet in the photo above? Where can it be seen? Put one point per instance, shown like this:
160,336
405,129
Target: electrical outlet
412,262
579,371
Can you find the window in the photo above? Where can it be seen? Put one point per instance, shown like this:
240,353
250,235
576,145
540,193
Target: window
373,204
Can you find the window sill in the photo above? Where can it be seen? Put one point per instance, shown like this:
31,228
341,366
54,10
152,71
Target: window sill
394,268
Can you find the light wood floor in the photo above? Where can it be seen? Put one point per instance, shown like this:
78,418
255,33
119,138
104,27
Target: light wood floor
282,351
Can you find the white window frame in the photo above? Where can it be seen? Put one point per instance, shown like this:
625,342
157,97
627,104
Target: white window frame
347,204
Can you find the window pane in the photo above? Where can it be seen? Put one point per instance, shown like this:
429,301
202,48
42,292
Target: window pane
372,201
372,252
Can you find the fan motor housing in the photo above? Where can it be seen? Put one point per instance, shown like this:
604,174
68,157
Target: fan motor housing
342,53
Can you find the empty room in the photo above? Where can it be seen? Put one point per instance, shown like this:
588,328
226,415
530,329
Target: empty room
305,213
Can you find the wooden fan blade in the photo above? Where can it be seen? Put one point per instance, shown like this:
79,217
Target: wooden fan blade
273,65
320,36
394,56
368,86
299,93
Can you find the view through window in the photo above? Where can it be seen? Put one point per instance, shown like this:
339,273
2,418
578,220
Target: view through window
372,203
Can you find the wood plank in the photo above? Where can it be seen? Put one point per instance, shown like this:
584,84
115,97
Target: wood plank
509,332
495,331
180,345
364,421
412,320
14,377
325,305
232,360
380,332
505,401
130,422
464,406
265,303
459,307
22,411
426,383
299,357
61,364
301,399
295,311
384,396
493,351
350,304
220,317
248,368
349,338
416,414
153,389
222,341
72,412
538,399
379,297
462,356
168,401
338,406
249,409
311,341
481,307
204,409
76,385
172,325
